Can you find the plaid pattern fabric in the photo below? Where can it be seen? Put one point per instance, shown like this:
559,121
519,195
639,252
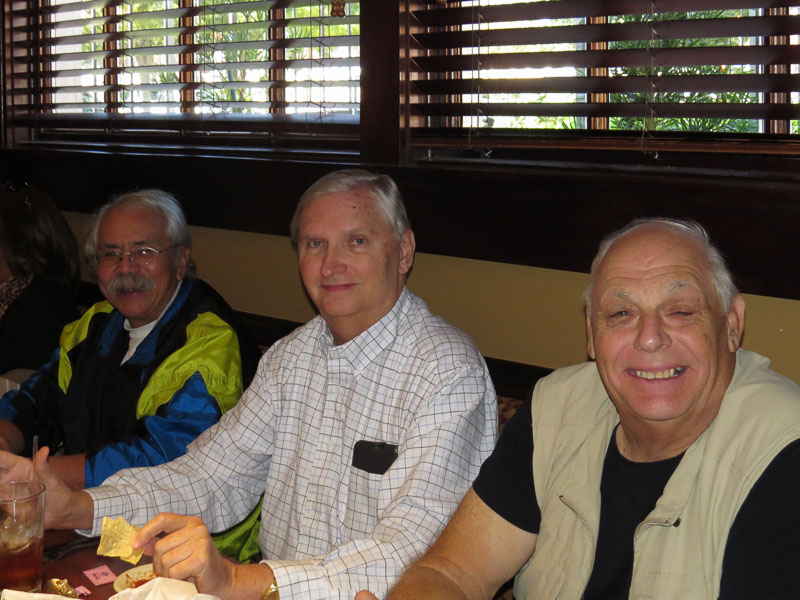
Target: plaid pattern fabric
328,528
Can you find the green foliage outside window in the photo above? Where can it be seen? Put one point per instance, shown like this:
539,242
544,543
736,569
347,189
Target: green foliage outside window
694,123
653,123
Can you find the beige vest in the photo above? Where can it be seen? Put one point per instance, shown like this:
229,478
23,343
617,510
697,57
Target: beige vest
678,548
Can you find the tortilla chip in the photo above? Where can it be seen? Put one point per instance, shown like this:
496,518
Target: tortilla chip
116,539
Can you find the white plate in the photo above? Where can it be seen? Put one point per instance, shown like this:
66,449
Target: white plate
135,574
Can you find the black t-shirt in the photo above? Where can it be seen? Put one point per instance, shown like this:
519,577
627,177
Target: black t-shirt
763,548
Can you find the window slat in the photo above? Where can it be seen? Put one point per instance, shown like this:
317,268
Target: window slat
191,12
68,7
565,9
672,57
192,122
156,87
170,68
608,85
620,109
662,30
158,51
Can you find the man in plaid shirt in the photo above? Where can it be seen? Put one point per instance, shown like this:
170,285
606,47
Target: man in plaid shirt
363,428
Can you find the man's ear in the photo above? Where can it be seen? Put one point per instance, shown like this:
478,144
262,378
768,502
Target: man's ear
589,336
735,319
407,246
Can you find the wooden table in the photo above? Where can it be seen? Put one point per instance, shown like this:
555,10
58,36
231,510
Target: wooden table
72,566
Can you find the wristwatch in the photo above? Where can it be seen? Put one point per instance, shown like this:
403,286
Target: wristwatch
271,592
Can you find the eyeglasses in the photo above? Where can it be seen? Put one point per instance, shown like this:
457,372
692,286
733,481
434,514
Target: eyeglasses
144,256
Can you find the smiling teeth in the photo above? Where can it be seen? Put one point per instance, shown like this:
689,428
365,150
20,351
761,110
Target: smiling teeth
665,374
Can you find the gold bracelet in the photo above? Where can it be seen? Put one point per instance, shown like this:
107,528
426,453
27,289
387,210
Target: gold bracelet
272,592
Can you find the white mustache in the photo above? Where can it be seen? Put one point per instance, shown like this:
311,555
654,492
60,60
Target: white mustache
130,282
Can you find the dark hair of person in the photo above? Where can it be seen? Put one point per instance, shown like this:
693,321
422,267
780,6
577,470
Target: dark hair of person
35,237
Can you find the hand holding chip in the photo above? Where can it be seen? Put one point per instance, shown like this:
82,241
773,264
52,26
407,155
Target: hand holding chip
187,552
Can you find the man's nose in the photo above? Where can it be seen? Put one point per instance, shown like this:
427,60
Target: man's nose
333,264
126,264
651,334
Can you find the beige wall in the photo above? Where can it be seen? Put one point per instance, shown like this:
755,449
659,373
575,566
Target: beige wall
521,314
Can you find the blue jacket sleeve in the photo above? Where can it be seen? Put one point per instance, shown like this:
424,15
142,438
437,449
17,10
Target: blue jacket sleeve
165,435
35,406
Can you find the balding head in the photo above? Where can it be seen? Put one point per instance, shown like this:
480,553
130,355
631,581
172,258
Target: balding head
718,272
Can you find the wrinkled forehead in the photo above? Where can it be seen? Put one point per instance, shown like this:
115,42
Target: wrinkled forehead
125,224
357,205
660,258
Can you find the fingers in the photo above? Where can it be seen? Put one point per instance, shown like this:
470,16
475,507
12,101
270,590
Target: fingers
65,508
13,467
185,552
163,523
43,471
192,560
365,595
150,533
40,461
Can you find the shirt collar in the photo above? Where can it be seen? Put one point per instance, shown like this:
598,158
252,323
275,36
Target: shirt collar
363,349
142,348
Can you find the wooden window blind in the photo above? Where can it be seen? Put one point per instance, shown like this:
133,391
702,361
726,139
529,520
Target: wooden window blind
95,69
706,67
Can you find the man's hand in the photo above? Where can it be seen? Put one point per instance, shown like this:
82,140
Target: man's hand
186,552
65,508
365,595
13,467
69,469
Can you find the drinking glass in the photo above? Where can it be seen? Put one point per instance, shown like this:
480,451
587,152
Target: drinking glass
21,535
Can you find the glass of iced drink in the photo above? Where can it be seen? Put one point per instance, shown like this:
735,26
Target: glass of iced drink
21,535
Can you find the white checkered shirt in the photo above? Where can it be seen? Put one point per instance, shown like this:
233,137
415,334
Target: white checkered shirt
329,529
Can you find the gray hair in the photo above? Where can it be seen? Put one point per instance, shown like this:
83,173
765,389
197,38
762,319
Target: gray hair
151,199
382,188
718,270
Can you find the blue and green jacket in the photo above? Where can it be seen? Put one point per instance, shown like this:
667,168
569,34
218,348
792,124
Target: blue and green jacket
192,367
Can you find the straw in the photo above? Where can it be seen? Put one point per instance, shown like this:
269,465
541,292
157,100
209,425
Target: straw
33,458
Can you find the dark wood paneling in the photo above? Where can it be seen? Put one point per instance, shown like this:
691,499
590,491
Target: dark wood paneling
380,85
237,194
556,219
546,216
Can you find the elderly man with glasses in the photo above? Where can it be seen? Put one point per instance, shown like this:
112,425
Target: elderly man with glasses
141,374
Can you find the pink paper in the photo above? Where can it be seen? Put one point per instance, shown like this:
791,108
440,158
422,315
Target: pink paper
100,575
82,591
